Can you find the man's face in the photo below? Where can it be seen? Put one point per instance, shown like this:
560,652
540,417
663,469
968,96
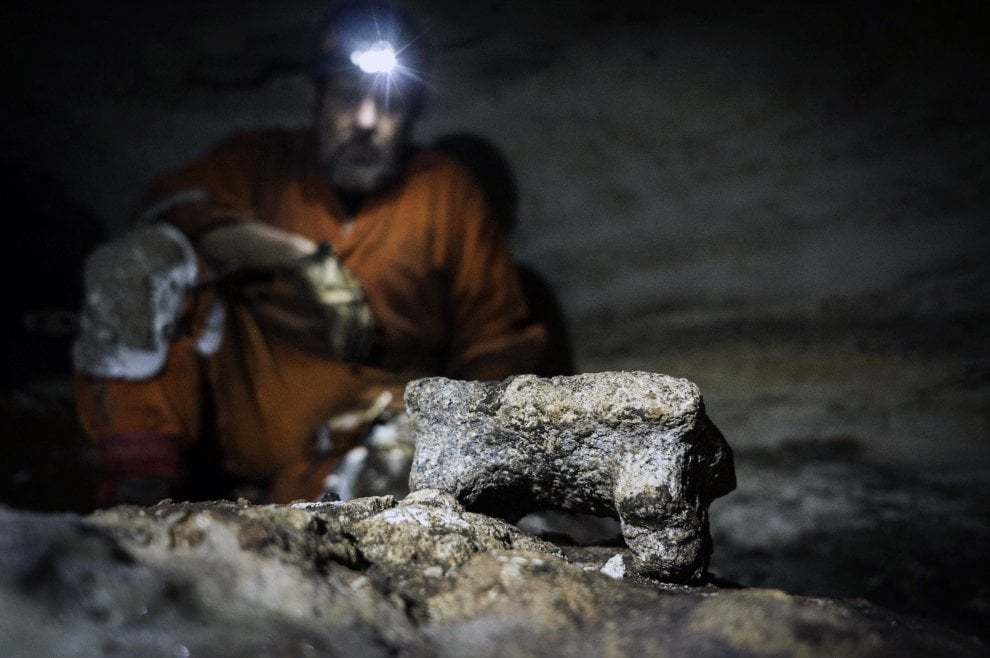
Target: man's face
360,133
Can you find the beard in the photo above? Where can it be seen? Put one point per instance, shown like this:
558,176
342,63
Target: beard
357,165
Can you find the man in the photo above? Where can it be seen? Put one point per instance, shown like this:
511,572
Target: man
283,289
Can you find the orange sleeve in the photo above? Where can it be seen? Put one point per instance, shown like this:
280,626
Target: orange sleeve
493,333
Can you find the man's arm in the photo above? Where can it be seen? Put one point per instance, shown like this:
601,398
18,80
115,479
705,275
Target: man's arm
138,383
297,289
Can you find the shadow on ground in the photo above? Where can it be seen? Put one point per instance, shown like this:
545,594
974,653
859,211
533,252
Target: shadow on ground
813,519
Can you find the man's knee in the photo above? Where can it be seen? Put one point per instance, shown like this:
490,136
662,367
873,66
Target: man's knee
135,289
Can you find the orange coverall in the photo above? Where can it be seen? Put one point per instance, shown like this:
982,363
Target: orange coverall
438,277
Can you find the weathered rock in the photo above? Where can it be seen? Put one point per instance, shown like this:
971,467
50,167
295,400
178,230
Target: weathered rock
335,579
430,528
413,545
399,548
175,580
634,445
295,563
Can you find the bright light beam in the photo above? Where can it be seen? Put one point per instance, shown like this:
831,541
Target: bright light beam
379,58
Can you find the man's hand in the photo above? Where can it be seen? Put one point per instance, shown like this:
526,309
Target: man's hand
298,290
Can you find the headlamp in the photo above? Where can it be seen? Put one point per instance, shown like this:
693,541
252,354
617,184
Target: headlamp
379,58
371,38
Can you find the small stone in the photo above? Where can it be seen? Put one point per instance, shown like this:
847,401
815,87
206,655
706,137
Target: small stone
615,567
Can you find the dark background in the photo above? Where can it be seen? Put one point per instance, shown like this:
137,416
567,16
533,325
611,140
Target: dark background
787,204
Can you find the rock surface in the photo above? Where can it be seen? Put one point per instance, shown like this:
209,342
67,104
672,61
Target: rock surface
633,445
376,577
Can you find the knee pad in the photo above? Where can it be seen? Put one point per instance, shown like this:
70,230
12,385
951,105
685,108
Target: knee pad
135,287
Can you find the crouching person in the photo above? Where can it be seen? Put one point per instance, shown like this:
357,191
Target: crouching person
276,295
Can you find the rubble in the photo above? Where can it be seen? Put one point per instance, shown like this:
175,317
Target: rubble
633,445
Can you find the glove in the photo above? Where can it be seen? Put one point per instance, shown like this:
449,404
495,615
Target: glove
135,287
298,290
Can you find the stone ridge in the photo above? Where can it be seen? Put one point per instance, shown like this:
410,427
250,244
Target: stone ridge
633,445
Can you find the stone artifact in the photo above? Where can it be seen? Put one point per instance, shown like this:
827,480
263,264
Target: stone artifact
634,445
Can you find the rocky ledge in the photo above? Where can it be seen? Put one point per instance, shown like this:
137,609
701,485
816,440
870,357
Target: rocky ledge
380,577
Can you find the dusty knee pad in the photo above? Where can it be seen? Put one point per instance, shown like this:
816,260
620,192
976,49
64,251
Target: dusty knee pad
134,290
